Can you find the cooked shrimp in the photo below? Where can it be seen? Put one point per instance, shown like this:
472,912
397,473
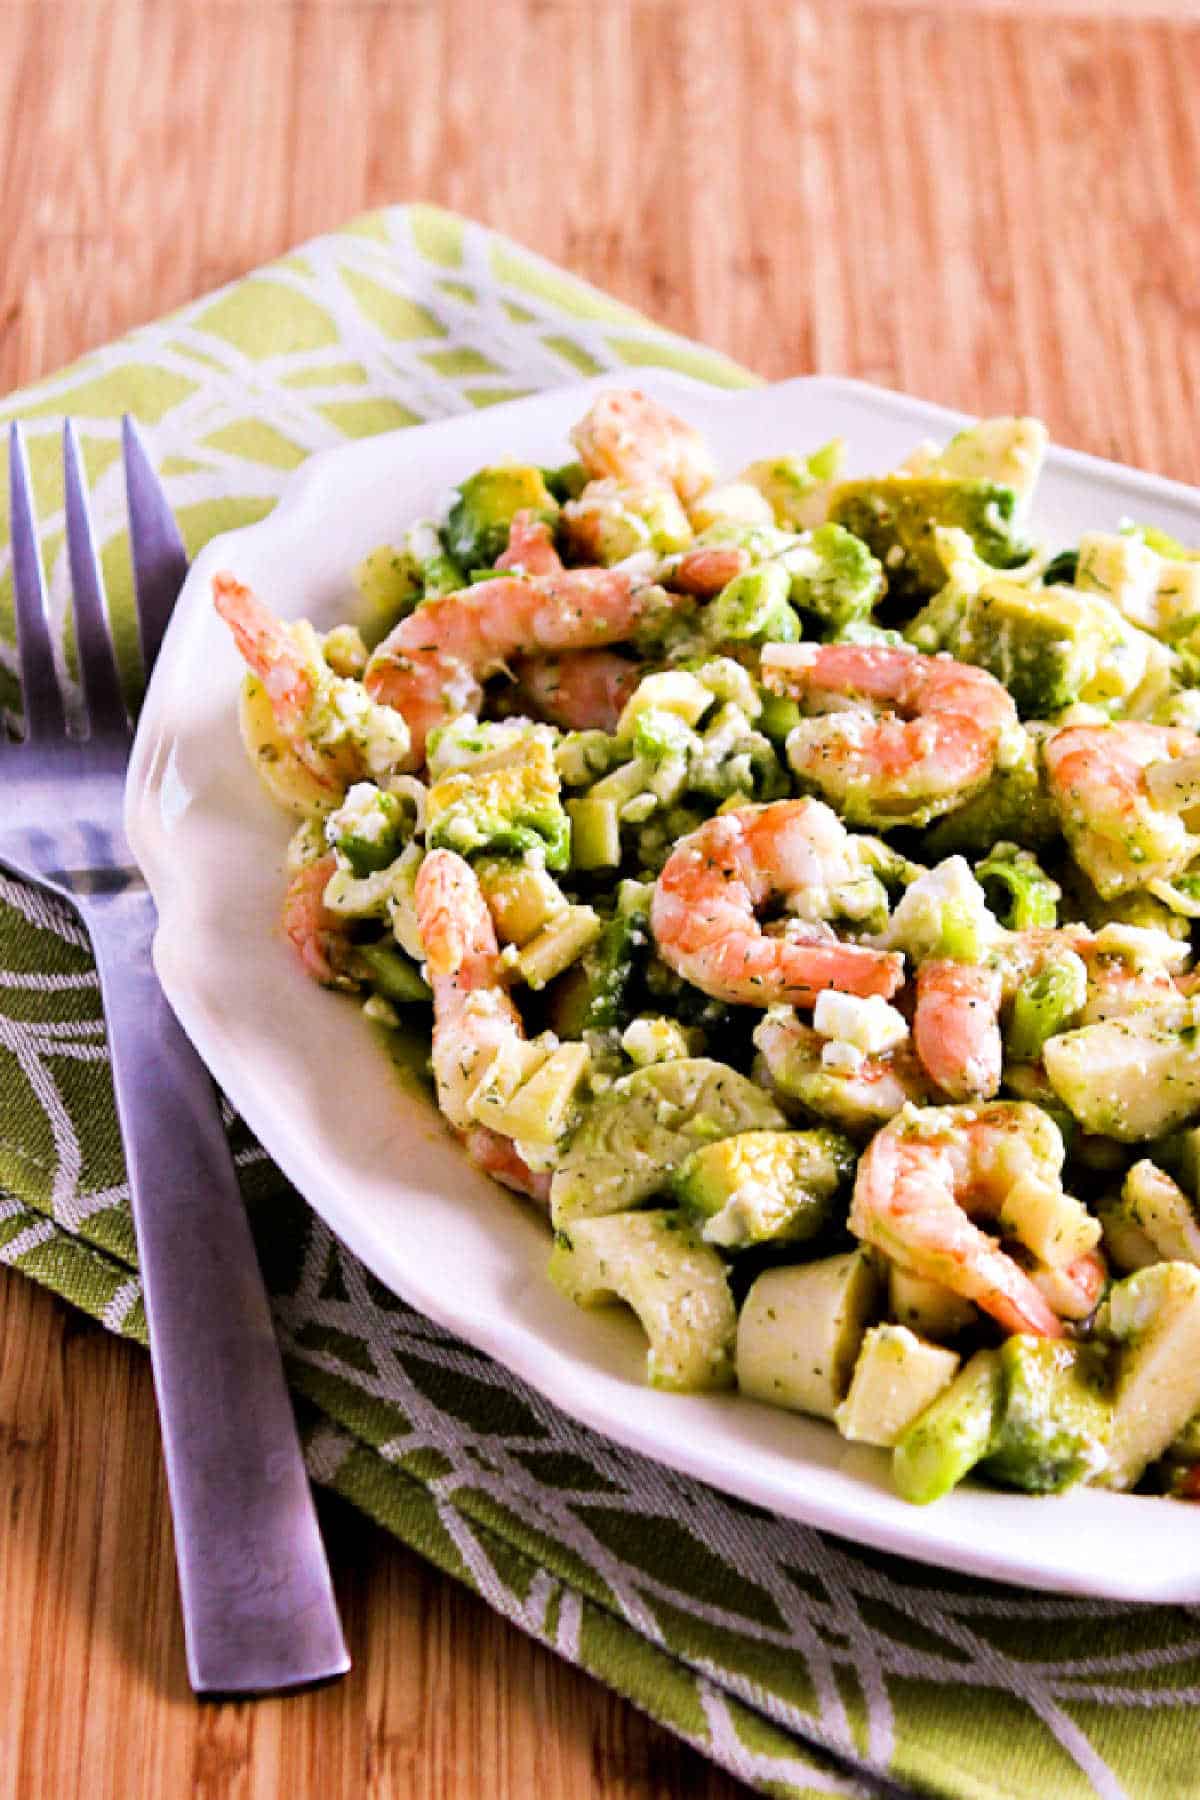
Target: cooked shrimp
936,744
582,690
856,1099
627,435
331,724
431,665
956,1028
1123,792
1073,1292
473,1013
530,547
926,1176
956,1022
704,571
318,934
714,882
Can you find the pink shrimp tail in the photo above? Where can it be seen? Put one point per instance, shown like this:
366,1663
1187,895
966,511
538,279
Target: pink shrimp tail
956,1028
530,547
316,933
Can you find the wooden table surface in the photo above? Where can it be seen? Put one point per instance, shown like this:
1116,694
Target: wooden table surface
991,205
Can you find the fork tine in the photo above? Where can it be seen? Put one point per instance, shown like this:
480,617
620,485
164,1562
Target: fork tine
42,699
97,662
159,558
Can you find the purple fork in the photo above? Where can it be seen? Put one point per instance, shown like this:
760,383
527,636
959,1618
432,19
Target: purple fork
258,1606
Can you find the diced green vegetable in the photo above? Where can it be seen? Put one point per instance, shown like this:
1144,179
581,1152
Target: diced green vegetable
566,482
370,828
477,525
1014,804
1060,571
1045,1004
797,487
1019,892
393,975
953,1434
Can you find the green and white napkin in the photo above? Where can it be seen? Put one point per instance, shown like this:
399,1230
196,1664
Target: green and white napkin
803,1665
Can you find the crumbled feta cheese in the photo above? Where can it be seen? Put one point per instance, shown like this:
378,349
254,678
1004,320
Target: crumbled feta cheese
870,1025
839,1055
941,907
654,1040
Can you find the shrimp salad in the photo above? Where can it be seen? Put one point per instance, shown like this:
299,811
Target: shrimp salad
800,875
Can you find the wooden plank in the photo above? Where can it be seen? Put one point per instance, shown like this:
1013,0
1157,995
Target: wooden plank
988,204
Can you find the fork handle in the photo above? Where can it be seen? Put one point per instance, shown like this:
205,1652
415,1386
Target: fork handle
258,1607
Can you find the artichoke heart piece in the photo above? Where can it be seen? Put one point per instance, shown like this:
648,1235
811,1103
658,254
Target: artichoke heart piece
675,1284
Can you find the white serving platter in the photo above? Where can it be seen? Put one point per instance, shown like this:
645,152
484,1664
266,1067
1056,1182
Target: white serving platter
370,1153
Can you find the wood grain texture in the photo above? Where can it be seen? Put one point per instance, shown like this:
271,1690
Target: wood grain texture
987,207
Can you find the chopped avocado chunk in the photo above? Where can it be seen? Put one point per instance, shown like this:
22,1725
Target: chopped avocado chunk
895,1378
896,517
389,580
801,1329
1049,646
566,482
764,1186
634,1136
676,1285
508,807
477,525
1055,1416
945,1442
754,609
611,520
440,572
834,577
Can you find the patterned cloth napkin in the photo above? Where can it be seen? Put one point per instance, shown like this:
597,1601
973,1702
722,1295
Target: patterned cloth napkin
803,1665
